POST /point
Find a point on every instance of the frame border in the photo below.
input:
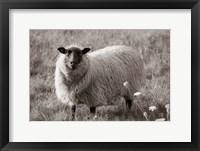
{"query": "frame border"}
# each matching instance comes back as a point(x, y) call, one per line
point(5, 5)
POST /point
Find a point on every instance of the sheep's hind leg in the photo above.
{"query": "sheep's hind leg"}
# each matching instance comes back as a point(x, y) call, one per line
point(93, 111)
point(129, 103)
point(73, 108)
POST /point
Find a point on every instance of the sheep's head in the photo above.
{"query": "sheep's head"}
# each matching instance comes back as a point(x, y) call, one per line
point(73, 55)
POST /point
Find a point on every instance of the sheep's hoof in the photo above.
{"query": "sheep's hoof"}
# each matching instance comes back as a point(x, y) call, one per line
point(93, 111)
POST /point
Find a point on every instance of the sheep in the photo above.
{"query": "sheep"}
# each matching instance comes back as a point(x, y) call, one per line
point(96, 78)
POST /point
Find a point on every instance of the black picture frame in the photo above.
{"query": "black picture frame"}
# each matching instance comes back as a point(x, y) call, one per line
point(5, 5)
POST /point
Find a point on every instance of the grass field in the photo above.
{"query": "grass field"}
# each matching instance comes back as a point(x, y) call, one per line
point(154, 46)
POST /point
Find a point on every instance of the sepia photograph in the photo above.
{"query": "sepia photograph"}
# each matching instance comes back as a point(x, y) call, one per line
point(99, 75)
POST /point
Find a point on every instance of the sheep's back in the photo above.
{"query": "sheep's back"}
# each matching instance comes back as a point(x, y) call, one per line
point(110, 68)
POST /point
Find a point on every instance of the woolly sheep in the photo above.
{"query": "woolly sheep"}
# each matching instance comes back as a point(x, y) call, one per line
point(96, 78)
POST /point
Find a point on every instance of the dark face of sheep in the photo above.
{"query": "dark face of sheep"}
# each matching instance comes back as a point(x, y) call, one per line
point(73, 55)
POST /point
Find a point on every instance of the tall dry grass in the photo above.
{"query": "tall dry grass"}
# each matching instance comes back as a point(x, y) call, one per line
point(154, 46)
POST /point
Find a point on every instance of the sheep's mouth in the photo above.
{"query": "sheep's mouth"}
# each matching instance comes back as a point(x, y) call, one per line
point(73, 67)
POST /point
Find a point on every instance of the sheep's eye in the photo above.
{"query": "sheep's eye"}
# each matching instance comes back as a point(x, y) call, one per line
point(69, 51)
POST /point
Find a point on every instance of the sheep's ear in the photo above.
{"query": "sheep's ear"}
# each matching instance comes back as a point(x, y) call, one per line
point(62, 50)
point(85, 50)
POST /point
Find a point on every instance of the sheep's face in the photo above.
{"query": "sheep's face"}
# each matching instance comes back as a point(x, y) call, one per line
point(73, 56)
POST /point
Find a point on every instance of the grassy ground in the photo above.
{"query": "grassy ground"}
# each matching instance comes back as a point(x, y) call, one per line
point(154, 46)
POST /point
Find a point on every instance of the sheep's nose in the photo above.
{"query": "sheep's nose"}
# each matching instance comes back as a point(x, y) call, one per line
point(73, 62)
point(73, 65)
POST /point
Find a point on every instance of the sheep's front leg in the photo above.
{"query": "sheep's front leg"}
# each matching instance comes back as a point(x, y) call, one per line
point(93, 111)
point(73, 109)
point(70, 105)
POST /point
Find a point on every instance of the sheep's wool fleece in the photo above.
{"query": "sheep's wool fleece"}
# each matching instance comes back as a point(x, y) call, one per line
point(102, 73)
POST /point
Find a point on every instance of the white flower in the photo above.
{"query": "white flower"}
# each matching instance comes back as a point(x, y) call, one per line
point(152, 108)
point(145, 114)
point(137, 94)
point(95, 117)
point(167, 106)
point(126, 85)
point(70, 104)
point(160, 119)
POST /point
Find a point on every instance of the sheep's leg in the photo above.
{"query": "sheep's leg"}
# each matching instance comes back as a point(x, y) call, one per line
point(93, 111)
point(129, 103)
point(73, 111)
